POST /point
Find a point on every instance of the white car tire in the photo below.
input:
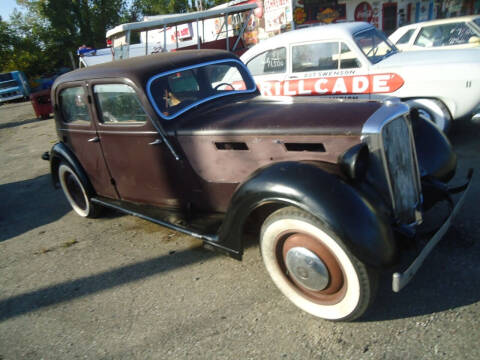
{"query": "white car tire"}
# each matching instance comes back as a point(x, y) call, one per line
point(350, 285)
point(75, 192)
point(432, 110)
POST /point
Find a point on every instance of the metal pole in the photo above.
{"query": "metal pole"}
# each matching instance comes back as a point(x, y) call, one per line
point(127, 39)
point(176, 36)
point(198, 37)
point(165, 37)
point(240, 35)
point(146, 42)
point(226, 27)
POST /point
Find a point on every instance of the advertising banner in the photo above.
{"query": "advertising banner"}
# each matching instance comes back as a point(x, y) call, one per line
point(277, 13)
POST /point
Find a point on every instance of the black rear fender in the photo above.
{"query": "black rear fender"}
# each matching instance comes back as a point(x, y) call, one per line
point(61, 153)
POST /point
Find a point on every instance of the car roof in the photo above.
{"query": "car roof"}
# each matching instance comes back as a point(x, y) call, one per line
point(140, 69)
point(321, 32)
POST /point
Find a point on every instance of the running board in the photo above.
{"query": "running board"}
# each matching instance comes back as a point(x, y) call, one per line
point(210, 239)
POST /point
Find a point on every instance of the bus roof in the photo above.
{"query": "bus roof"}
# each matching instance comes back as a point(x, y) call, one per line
point(177, 19)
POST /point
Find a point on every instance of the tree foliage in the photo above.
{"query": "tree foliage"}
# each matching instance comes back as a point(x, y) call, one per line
point(46, 34)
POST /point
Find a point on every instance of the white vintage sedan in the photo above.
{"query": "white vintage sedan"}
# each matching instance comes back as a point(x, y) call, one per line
point(355, 60)
point(454, 33)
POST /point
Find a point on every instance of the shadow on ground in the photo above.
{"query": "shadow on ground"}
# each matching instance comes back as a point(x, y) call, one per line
point(70, 290)
point(449, 279)
point(18, 123)
point(28, 204)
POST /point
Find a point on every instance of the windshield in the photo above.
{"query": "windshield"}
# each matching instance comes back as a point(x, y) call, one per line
point(174, 92)
point(374, 45)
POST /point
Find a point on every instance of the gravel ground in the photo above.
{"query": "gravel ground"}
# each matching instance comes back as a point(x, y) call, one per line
point(120, 287)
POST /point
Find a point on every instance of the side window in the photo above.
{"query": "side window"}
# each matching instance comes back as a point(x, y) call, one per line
point(118, 104)
point(348, 59)
point(444, 35)
point(269, 62)
point(459, 33)
point(73, 105)
point(405, 38)
point(318, 56)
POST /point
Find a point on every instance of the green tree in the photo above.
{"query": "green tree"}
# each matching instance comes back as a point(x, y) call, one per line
point(81, 21)
point(47, 33)
point(7, 42)
point(24, 50)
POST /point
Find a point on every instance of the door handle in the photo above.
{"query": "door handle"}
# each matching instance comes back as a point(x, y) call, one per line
point(94, 139)
point(155, 142)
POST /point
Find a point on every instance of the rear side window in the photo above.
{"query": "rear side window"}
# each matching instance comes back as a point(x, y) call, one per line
point(118, 104)
point(269, 62)
point(444, 35)
point(405, 38)
point(74, 106)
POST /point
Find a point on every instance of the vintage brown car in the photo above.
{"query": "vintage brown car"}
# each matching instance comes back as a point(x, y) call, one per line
point(333, 187)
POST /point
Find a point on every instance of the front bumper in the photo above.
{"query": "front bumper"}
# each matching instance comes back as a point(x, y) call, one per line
point(400, 280)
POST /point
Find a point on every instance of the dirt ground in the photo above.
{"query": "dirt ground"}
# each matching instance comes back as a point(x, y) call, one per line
point(120, 288)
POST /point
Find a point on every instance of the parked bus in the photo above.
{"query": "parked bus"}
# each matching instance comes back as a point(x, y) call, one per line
point(13, 85)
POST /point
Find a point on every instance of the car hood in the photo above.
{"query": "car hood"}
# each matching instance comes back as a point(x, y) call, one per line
point(430, 57)
point(276, 115)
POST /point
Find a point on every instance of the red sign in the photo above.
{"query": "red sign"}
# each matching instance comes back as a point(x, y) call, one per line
point(363, 12)
point(359, 84)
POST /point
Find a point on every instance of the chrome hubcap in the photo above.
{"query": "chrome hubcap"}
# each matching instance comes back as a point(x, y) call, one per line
point(306, 268)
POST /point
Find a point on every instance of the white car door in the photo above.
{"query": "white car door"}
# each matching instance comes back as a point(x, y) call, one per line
point(328, 68)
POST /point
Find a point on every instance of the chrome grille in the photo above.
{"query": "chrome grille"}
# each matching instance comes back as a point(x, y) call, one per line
point(401, 169)
point(393, 166)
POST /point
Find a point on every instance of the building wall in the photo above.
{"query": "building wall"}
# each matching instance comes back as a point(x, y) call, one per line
point(386, 15)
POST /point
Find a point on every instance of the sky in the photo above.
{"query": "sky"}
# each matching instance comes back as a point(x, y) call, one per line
point(6, 8)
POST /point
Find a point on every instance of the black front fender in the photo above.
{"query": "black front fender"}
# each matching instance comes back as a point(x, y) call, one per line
point(435, 153)
point(365, 231)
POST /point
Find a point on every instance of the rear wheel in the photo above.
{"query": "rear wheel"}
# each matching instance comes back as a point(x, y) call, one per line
point(313, 268)
point(75, 192)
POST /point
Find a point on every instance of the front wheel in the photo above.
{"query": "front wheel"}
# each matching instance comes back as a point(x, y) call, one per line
point(75, 192)
point(313, 268)
point(432, 110)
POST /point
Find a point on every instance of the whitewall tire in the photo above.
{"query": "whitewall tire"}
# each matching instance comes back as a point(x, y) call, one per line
point(75, 192)
point(313, 268)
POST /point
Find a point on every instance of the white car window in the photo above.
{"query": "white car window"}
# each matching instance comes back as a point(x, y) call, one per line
point(405, 38)
point(348, 59)
point(269, 62)
point(444, 35)
point(317, 56)
point(323, 56)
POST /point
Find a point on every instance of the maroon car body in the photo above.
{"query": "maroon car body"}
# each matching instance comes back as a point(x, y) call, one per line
point(333, 184)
